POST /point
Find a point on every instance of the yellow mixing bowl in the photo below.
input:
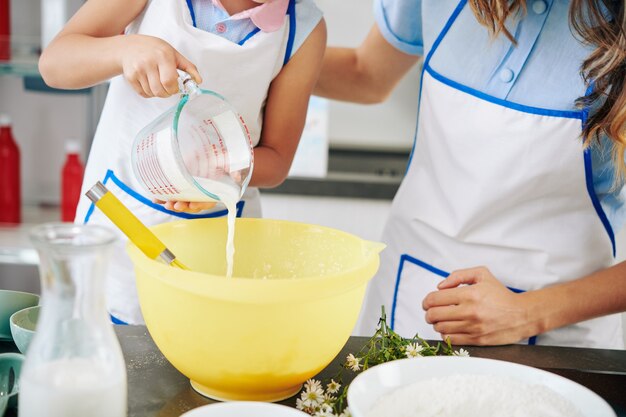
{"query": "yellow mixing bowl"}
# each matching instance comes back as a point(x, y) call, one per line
point(287, 312)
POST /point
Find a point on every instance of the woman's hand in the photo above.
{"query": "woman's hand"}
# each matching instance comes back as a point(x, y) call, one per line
point(481, 312)
point(149, 64)
point(185, 206)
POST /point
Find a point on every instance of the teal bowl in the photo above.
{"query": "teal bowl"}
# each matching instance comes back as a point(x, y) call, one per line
point(10, 302)
point(10, 367)
point(23, 325)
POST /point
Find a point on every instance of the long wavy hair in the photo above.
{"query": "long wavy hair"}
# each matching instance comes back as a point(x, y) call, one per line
point(602, 25)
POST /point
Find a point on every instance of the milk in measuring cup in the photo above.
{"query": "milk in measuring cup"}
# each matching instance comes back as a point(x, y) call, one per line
point(197, 151)
point(175, 185)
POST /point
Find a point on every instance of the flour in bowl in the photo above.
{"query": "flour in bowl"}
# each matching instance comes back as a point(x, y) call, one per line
point(473, 396)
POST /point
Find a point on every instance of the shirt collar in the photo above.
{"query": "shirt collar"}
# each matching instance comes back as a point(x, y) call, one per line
point(269, 17)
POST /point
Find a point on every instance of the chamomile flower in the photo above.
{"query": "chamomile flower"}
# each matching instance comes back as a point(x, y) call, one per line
point(353, 363)
point(300, 404)
point(333, 387)
point(413, 350)
point(312, 385)
point(326, 408)
point(313, 394)
point(329, 399)
point(461, 352)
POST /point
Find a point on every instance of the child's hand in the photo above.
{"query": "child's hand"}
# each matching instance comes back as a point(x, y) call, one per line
point(149, 64)
point(185, 206)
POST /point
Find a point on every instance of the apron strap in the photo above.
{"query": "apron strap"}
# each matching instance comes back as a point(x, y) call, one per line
point(291, 11)
point(192, 12)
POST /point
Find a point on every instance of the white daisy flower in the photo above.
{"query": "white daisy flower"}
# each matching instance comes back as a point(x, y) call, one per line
point(312, 385)
point(326, 408)
point(353, 362)
point(461, 352)
point(300, 404)
point(333, 386)
point(413, 350)
point(329, 399)
point(312, 396)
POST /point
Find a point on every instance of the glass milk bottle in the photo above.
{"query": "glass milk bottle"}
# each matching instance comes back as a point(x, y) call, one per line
point(74, 366)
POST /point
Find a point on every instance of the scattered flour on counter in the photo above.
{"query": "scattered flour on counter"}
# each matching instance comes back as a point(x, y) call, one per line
point(473, 396)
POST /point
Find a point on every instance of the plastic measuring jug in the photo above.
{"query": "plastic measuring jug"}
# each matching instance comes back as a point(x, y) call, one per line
point(198, 150)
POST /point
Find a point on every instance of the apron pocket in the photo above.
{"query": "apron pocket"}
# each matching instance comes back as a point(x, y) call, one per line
point(415, 280)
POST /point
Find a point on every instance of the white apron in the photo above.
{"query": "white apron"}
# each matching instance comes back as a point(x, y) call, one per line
point(497, 184)
point(241, 73)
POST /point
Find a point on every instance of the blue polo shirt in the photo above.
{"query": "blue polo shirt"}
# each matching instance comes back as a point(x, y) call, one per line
point(542, 70)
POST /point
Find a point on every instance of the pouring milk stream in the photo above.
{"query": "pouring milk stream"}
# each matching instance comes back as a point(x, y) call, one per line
point(198, 151)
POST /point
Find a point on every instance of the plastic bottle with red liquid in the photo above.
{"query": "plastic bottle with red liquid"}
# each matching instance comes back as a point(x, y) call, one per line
point(10, 195)
point(5, 30)
point(71, 180)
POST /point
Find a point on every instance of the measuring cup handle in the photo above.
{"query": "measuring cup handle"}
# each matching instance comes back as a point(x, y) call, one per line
point(186, 83)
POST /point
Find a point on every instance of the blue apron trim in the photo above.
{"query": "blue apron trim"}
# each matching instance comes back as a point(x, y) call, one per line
point(111, 176)
point(249, 35)
point(443, 274)
point(595, 200)
point(445, 30)
point(192, 12)
point(417, 122)
point(569, 114)
point(589, 182)
point(115, 320)
point(291, 11)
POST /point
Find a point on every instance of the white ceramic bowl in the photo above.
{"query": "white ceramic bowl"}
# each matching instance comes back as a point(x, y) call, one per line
point(244, 409)
point(379, 380)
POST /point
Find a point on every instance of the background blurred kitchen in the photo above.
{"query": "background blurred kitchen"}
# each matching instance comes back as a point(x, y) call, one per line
point(346, 172)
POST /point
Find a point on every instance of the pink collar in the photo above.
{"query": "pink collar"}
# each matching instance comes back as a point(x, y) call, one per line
point(269, 17)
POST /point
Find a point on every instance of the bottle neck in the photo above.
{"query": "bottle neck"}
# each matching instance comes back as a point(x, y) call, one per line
point(73, 157)
point(5, 132)
point(73, 285)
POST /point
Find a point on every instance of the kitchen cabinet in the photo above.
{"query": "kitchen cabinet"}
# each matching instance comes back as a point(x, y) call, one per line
point(157, 389)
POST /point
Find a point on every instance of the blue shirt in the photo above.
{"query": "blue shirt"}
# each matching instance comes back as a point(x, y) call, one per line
point(516, 73)
point(213, 19)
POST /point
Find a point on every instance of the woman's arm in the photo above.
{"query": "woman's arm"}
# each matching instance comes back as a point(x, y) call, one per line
point(90, 50)
point(367, 74)
point(285, 111)
point(485, 312)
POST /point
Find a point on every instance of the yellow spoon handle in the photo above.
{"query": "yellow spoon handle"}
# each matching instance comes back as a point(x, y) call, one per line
point(130, 225)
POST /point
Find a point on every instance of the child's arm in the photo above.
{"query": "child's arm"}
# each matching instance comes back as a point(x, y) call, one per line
point(90, 50)
point(285, 111)
point(284, 118)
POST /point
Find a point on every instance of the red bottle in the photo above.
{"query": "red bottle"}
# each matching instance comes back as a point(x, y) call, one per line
point(71, 181)
point(10, 196)
point(5, 30)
